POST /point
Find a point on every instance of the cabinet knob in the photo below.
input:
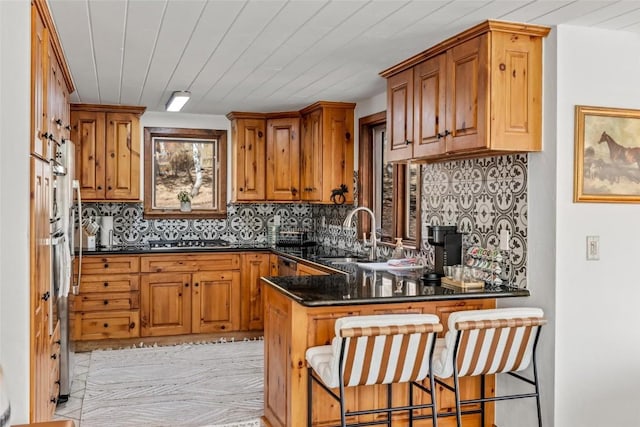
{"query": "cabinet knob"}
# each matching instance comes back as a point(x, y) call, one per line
point(113, 155)
point(106, 325)
point(105, 302)
point(407, 142)
point(259, 134)
point(54, 356)
point(241, 189)
point(186, 285)
point(109, 188)
point(105, 284)
point(46, 296)
point(294, 190)
point(196, 284)
point(132, 325)
point(106, 265)
point(58, 122)
point(99, 187)
point(54, 400)
point(347, 136)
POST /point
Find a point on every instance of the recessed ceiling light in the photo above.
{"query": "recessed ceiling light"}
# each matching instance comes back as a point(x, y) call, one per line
point(177, 100)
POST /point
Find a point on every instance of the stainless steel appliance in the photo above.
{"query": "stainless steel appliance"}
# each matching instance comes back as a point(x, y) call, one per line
point(63, 221)
point(447, 243)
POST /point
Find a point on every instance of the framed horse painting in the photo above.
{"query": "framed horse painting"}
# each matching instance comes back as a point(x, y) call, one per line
point(607, 155)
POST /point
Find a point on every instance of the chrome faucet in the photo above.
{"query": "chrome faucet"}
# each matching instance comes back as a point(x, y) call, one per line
point(347, 223)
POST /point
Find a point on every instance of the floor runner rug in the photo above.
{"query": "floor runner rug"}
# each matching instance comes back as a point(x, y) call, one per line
point(189, 385)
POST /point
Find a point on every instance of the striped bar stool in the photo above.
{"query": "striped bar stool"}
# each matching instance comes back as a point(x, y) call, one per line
point(382, 349)
point(486, 342)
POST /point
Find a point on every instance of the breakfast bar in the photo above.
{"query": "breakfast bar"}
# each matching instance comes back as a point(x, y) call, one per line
point(300, 312)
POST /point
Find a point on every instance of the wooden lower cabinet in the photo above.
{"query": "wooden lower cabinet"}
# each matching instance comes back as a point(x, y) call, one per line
point(215, 301)
point(165, 302)
point(190, 294)
point(291, 328)
point(254, 266)
point(108, 302)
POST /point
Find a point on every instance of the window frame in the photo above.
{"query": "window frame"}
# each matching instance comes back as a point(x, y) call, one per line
point(184, 133)
point(366, 176)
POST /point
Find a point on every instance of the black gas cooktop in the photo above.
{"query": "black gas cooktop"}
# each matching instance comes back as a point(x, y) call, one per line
point(187, 244)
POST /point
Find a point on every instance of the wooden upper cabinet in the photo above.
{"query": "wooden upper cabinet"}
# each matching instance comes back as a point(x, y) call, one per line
point(107, 142)
point(39, 142)
point(477, 93)
point(283, 158)
point(327, 151)
point(399, 116)
point(430, 83)
point(50, 86)
point(248, 136)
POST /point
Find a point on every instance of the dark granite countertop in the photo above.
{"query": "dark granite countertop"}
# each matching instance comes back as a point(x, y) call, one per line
point(350, 285)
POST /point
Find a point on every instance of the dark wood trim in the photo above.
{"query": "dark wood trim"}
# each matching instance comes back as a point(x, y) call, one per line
point(365, 157)
point(221, 135)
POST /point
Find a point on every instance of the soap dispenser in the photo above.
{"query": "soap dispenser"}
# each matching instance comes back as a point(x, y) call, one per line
point(398, 251)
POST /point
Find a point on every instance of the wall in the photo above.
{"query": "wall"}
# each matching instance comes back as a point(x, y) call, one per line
point(15, 19)
point(597, 370)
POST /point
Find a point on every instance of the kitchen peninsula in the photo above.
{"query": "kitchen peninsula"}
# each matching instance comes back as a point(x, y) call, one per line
point(300, 312)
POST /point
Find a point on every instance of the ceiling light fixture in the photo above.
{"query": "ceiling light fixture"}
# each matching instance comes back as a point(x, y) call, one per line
point(177, 100)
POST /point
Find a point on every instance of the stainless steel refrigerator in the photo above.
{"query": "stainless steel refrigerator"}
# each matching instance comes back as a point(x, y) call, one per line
point(66, 199)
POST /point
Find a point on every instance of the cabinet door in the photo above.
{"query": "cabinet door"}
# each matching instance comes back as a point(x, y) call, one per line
point(216, 302)
point(88, 132)
point(312, 162)
point(399, 116)
point(122, 156)
point(165, 304)
point(41, 285)
point(467, 95)
point(249, 162)
point(283, 159)
point(430, 107)
point(254, 266)
point(39, 143)
point(516, 92)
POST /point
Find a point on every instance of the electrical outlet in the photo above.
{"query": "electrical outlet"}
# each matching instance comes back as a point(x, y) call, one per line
point(593, 248)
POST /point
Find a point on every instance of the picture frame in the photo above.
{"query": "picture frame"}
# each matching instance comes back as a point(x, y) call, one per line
point(607, 155)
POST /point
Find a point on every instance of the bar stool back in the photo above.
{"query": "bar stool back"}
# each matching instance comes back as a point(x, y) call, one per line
point(377, 349)
point(486, 342)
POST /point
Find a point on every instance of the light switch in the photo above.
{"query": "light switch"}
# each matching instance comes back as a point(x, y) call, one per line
point(593, 248)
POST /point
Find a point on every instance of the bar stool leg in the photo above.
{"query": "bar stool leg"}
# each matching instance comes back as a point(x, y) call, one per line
point(309, 397)
point(456, 385)
point(410, 403)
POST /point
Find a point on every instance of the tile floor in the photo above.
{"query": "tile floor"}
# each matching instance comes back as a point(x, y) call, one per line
point(72, 408)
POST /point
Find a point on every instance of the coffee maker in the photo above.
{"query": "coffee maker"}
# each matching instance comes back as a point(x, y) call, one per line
point(447, 243)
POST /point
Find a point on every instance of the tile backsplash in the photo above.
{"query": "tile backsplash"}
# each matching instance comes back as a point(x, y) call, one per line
point(479, 196)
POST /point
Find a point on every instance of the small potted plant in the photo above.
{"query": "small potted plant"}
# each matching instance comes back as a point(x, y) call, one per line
point(185, 201)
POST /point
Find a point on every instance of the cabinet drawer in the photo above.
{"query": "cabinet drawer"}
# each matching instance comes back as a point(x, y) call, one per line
point(101, 301)
point(110, 264)
point(109, 283)
point(189, 263)
point(104, 325)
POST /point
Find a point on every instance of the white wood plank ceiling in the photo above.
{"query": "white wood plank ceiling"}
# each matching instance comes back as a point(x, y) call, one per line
point(275, 55)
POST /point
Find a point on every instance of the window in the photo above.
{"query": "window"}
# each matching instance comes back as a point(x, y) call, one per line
point(392, 191)
point(190, 160)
